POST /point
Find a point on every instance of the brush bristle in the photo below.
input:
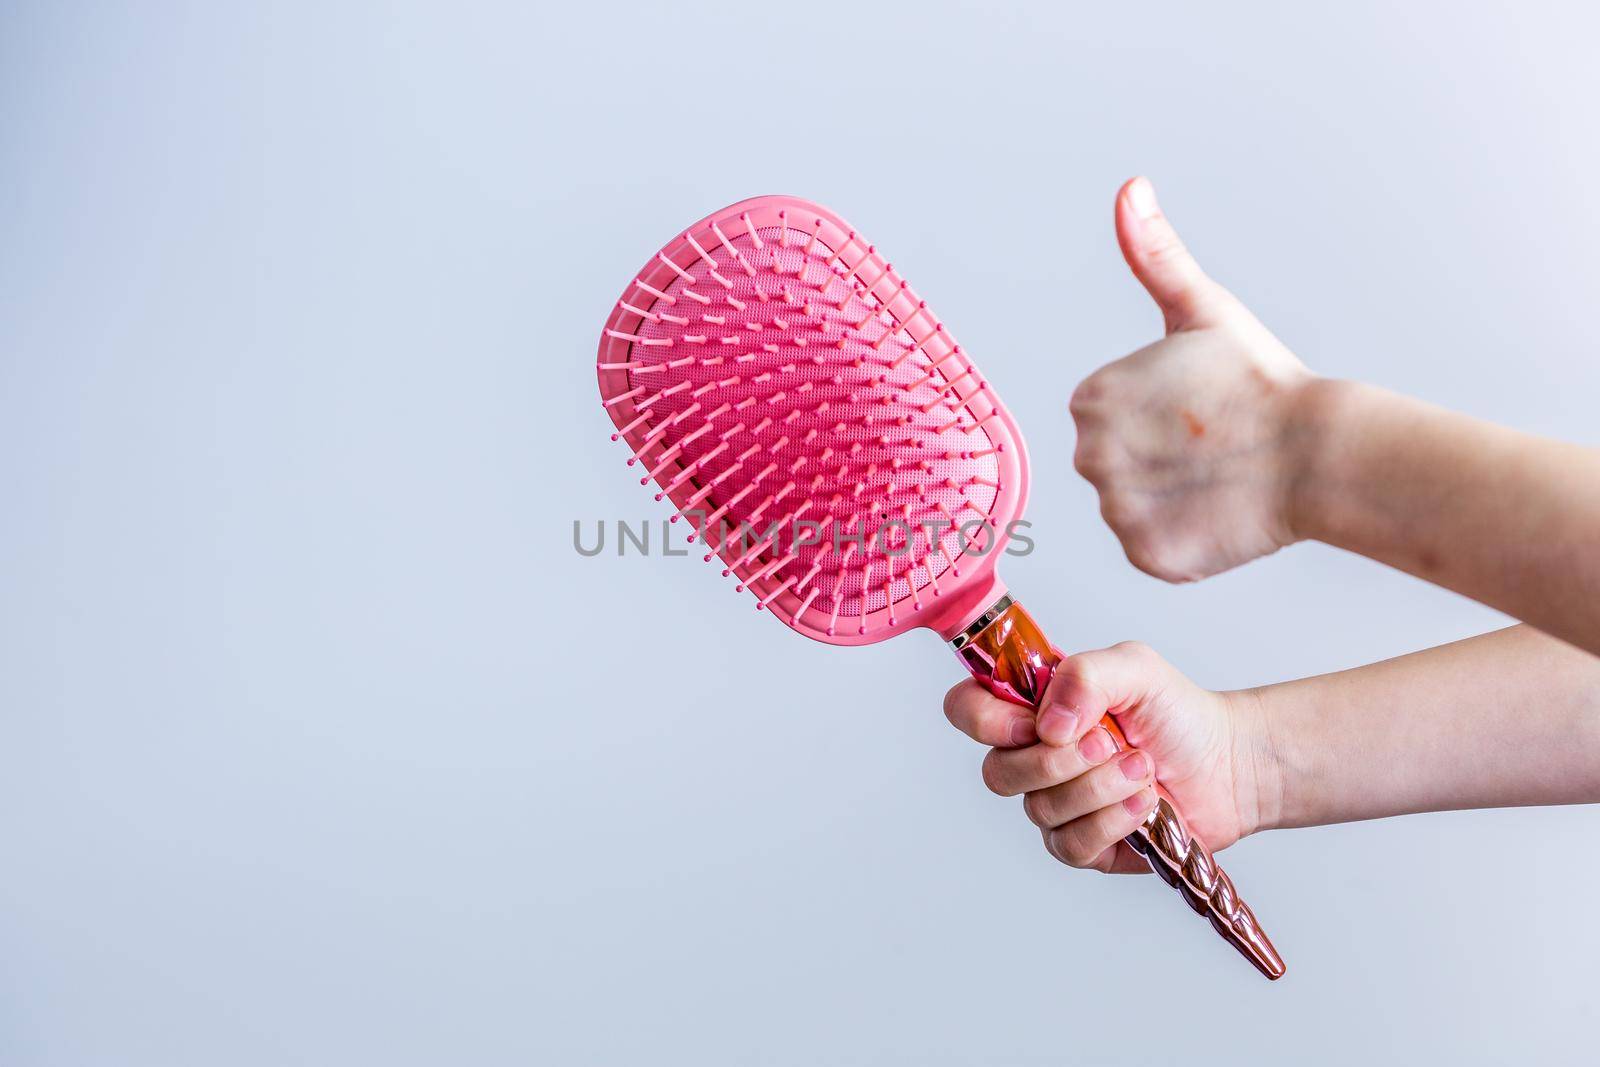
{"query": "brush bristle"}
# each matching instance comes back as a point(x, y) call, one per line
point(782, 373)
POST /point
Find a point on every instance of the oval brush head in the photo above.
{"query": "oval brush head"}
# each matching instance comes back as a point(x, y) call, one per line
point(815, 422)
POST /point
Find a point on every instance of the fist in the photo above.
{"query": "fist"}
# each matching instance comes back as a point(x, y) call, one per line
point(1084, 792)
point(1195, 443)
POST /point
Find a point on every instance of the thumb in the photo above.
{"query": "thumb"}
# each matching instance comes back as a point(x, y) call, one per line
point(1158, 258)
point(1088, 685)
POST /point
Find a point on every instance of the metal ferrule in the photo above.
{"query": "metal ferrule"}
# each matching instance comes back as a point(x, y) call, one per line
point(981, 623)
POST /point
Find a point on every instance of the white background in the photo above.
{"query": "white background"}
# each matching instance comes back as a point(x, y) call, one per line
point(320, 744)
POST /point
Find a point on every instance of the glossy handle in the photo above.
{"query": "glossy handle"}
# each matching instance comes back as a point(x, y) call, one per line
point(1007, 652)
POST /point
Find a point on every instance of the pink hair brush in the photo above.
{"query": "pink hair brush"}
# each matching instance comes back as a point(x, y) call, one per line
point(832, 444)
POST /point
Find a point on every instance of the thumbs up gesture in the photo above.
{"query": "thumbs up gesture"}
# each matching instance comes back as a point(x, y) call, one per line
point(1197, 443)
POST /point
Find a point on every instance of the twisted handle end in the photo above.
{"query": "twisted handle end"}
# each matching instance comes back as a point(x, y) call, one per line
point(1184, 863)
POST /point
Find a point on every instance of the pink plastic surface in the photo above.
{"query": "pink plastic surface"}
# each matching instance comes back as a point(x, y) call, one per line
point(768, 365)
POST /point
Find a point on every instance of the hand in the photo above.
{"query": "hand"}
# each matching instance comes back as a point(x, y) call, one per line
point(1195, 442)
point(1210, 751)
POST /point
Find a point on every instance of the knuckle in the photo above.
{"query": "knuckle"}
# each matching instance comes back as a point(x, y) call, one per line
point(1144, 557)
point(953, 702)
point(1115, 508)
point(1089, 460)
point(1070, 848)
point(1085, 396)
point(1061, 764)
point(1099, 785)
point(1137, 650)
point(1148, 799)
point(1109, 784)
point(994, 775)
point(1124, 513)
point(1036, 806)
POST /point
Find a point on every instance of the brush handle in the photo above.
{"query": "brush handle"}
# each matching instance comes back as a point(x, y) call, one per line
point(1008, 653)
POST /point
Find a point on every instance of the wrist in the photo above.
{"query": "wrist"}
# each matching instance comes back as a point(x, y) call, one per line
point(1259, 779)
point(1324, 415)
point(1294, 760)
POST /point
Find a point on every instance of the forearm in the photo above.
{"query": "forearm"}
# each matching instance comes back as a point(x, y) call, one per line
point(1506, 518)
point(1509, 718)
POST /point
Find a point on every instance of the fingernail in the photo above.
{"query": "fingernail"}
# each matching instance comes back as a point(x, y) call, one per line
point(1142, 198)
point(1135, 765)
point(1058, 723)
point(1097, 746)
point(1022, 732)
point(1140, 802)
